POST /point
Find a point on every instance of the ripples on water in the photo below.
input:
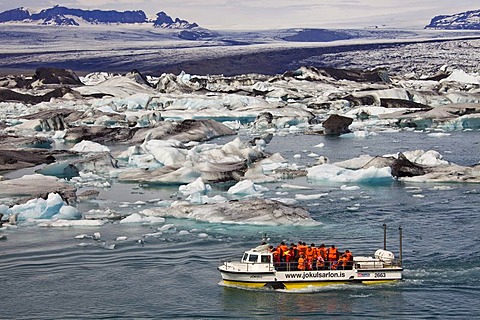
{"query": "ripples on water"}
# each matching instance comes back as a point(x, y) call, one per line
point(47, 273)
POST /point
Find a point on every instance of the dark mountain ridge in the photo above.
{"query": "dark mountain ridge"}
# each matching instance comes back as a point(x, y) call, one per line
point(469, 20)
point(59, 15)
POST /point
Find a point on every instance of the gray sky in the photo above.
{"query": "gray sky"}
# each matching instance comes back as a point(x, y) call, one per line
point(266, 14)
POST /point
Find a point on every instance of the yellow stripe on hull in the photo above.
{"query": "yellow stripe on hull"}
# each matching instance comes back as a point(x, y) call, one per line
point(303, 285)
point(245, 284)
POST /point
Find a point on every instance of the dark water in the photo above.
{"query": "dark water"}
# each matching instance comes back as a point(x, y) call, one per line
point(47, 274)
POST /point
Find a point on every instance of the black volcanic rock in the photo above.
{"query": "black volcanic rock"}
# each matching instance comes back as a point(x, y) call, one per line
point(337, 125)
point(402, 167)
point(11, 95)
point(469, 20)
point(166, 22)
point(57, 76)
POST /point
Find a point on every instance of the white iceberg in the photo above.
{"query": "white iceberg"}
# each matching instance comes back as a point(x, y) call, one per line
point(52, 208)
point(86, 146)
point(138, 218)
point(332, 173)
point(246, 188)
point(197, 186)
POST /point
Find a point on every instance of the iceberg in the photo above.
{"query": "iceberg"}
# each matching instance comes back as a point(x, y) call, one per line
point(195, 187)
point(246, 188)
point(335, 174)
point(252, 211)
point(139, 218)
point(52, 208)
point(86, 146)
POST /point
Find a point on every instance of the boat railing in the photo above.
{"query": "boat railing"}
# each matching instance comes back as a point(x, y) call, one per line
point(327, 265)
point(377, 264)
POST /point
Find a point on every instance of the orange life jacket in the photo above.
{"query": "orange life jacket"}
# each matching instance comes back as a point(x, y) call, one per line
point(332, 254)
point(310, 253)
point(302, 249)
point(349, 256)
point(301, 263)
point(323, 252)
point(342, 261)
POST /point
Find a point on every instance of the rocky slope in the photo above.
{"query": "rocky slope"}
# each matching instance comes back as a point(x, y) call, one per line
point(469, 20)
point(59, 15)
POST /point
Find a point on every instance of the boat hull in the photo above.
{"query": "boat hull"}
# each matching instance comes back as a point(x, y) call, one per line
point(295, 280)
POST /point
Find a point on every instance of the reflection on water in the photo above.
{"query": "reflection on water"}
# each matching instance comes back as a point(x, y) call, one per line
point(341, 300)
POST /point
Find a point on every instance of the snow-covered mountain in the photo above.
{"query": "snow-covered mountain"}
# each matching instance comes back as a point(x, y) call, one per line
point(469, 20)
point(59, 15)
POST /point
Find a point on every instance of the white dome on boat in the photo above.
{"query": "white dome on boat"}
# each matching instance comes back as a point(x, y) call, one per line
point(384, 255)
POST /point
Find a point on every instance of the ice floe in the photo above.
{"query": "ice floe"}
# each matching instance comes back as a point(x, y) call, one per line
point(257, 211)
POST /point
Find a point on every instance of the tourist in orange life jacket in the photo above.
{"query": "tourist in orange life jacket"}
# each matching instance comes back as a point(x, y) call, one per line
point(293, 252)
point(283, 253)
point(320, 263)
point(349, 257)
point(276, 256)
point(301, 262)
point(340, 264)
point(332, 255)
point(310, 254)
point(292, 257)
point(323, 251)
point(302, 248)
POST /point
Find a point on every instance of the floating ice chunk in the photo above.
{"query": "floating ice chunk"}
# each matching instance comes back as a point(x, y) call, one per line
point(419, 196)
point(246, 188)
point(438, 134)
point(461, 77)
point(58, 135)
point(137, 218)
point(203, 235)
point(332, 173)
point(430, 158)
point(320, 145)
point(312, 155)
point(68, 213)
point(349, 188)
point(183, 233)
point(143, 161)
point(197, 198)
point(70, 223)
point(86, 146)
point(83, 236)
point(195, 187)
point(252, 211)
point(294, 187)
point(167, 227)
point(44, 209)
point(121, 238)
point(310, 196)
point(297, 156)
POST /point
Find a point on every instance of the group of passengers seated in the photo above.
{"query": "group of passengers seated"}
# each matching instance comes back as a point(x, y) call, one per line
point(304, 258)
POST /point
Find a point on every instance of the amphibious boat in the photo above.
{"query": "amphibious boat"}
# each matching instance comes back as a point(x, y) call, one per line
point(257, 269)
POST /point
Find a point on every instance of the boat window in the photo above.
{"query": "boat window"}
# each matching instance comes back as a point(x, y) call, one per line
point(253, 258)
point(245, 257)
point(266, 259)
